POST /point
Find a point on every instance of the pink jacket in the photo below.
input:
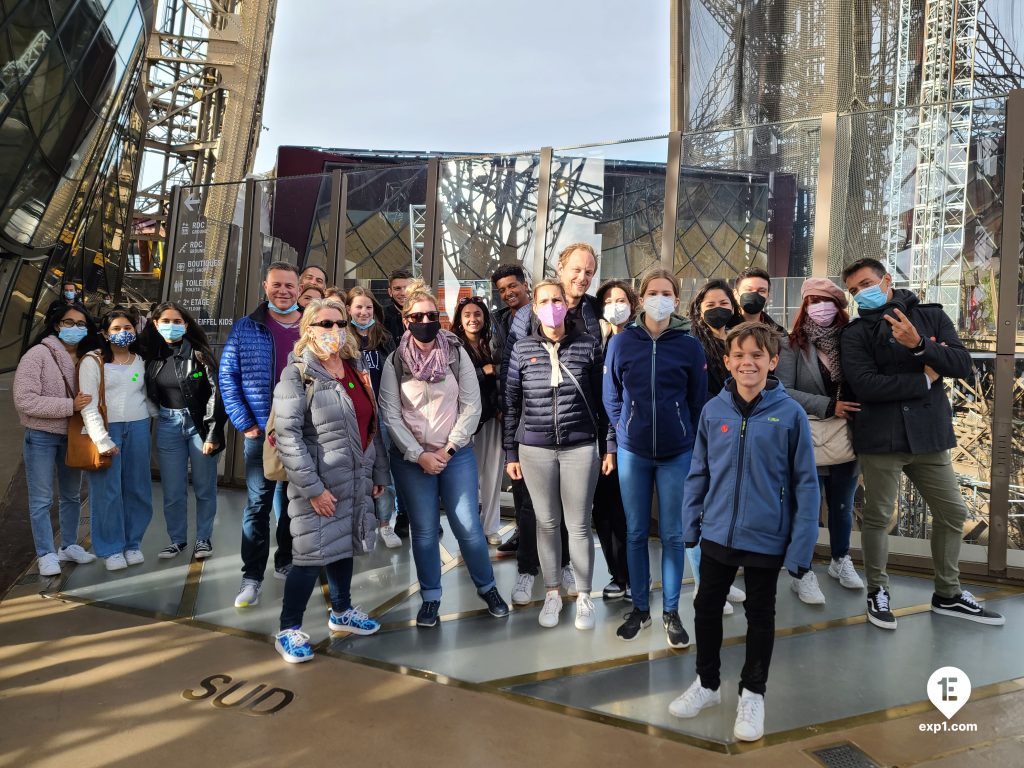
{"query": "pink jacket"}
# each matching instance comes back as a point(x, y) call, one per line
point(40, 395)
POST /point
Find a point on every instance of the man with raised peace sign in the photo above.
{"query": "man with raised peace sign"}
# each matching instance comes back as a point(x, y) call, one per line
point(894, 356)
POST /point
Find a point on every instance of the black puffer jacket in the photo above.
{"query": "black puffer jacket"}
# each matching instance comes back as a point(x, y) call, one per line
point(198, 381)
point(899, 412)
point(541, 415)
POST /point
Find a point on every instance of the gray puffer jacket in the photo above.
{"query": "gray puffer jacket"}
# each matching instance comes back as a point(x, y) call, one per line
point(320, 448)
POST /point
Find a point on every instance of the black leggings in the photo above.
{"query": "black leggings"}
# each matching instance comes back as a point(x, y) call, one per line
point(300, 583)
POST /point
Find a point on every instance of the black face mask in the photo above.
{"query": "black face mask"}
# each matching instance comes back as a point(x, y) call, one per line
point(425, 332)
point(718, 317)
point(752, 303)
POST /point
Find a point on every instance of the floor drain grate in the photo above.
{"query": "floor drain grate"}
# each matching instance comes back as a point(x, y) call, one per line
point(844, 755)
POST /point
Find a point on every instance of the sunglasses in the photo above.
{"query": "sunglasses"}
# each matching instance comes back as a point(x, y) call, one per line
point(328, 324)
point(478, 300)
point(420, 317)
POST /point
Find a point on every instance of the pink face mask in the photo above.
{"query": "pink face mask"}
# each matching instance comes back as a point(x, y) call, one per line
point(823, 313)
point(551, 315)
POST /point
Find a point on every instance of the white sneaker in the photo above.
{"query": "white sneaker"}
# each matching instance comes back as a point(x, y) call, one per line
point(694, 699)
point(75, 554)
point(249, 593)
point(388, 536)
point(727, 609)
point(584, 612)
point(134, 557)
point(749, 717)
point(807, 589)
point(522, 592)
point(493, 539)
point(569, 581)
point(552, 607)
point(49, 565)
point(736, 595)
point(843, 570)
point(116, 562)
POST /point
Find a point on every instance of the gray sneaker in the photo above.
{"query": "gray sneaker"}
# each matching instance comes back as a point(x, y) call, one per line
point(249, 593)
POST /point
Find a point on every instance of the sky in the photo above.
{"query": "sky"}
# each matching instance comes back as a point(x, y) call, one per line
point(464, 75)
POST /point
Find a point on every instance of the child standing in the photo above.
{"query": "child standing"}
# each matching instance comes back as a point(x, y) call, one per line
point(753, 446)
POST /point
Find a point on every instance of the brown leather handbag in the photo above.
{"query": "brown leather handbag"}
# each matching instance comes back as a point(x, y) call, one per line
point(82, 452)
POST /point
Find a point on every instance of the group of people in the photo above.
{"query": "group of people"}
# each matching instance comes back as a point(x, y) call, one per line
point(605, 411)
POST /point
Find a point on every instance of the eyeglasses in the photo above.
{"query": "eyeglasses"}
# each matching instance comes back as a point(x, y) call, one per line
point(419, 317)
point(73, 324)
point(328, 324)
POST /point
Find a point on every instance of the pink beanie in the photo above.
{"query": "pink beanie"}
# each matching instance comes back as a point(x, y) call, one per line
point(822, 286)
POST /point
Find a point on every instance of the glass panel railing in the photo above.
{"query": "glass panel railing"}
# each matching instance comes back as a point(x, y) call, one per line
point(291, 225)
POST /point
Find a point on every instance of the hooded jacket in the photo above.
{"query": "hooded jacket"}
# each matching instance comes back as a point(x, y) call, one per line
point(654, 389)
point(753, 484)
point(538, 414)
point(900, 412)
point(321, 448)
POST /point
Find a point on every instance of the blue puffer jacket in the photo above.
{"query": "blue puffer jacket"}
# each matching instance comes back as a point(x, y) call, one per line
point(247, 371)
point(753, 484)
point(654, 389)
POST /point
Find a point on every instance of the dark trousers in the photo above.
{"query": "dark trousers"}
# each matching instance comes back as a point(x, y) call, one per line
point(715, 580)
point(526, 521)
point(300, 583)
point(263, 495)
point(610, 522)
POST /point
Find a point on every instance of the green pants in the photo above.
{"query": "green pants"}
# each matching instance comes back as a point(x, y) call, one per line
point(932, 475)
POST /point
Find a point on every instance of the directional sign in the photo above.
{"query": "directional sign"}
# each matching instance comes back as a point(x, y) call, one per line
point(191, 201)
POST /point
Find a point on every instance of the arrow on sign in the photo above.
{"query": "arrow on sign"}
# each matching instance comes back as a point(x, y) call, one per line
point(191, 201)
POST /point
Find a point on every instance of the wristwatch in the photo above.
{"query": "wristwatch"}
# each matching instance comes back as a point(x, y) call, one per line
point(451, 450)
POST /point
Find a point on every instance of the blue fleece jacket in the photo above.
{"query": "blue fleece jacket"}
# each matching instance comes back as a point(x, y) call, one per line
point(654, 389)
point(753, 484)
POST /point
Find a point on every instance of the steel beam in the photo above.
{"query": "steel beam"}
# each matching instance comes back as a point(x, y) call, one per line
point(823, 195)
point(672, 171)
point(540, 244)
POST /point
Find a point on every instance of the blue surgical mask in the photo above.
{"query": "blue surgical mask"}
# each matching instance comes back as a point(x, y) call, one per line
point(870, 298)
point(72, 335)
point(122, 338)
point(277, 311)
point(362, 327)
point(70, 295)
point(171, 331)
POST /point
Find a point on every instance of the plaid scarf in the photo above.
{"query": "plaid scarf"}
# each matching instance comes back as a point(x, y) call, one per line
point(826, 341)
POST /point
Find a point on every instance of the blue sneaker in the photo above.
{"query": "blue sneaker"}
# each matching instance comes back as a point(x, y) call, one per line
point(293, 645)
point(353, 620)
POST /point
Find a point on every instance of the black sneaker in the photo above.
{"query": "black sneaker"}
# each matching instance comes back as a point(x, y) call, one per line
point(172, 550)
point(613, 591)
point(402, 525)
point(497, 607)
point(635, 621)
point(510, 547)
point(427, 616)
point(878, 609)
point(203, 549)
point(674, 632)
point(964, 606)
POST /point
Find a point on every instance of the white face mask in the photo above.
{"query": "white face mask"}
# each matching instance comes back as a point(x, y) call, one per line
point(616, 313)
point(659, 307)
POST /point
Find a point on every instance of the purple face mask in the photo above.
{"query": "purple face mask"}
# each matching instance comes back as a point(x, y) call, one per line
point(551, 315)
point(823, 313)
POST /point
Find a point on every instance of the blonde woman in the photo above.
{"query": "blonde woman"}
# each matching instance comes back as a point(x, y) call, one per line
point(430, 401)
point(325, 421)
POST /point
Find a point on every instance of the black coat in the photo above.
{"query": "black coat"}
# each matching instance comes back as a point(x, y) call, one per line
point(393, 320)
point(197, 379)
point(899, 412)
point(538, 414)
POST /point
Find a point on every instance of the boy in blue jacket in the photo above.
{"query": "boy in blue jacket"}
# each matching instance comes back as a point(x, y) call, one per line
point(752, 499)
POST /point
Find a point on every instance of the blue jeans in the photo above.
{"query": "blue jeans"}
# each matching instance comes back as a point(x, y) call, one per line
point(264, 495)
point(638, 477)
point(178, 444)
point(44, 452)
point(299, 586)
point(457, 487)
point(838, 488)
point(385, 505)
point(121, 496)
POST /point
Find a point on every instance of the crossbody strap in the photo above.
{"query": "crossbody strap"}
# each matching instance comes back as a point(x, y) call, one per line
point(67, 386)
point(579, 389)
